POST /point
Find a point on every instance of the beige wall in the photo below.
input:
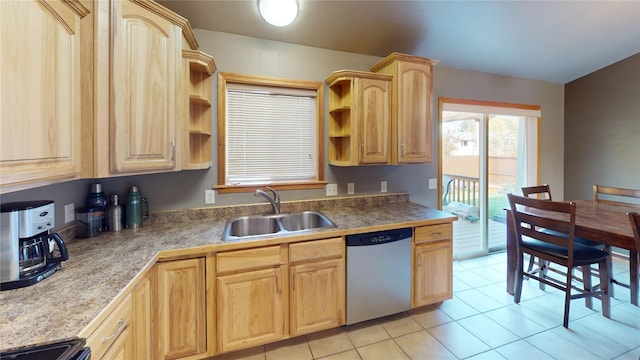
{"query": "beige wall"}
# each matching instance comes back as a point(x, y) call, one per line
point(241, 54)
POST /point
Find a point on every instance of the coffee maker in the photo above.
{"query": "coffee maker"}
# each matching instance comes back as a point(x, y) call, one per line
point(29, 252)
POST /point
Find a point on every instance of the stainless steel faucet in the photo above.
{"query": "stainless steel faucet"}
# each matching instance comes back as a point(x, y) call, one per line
point(275, 200)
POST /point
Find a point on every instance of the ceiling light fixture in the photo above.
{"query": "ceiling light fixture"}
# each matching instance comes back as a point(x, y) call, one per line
point(278, 12)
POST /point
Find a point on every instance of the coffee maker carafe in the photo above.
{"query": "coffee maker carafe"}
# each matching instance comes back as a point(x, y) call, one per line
point(29, 252)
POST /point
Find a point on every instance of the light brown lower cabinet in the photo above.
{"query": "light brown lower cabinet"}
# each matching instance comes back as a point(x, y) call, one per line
point(122, 348)
point(251, 297)
point(258, 303)
point(251, 308)
point(112, 339)
point(317, 296)
point(317, 282)
point(143, 323)
point(199, 307)
point(181, 309)
point(432, 264)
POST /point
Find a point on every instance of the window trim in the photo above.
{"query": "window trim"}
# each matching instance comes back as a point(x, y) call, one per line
point(318, 87)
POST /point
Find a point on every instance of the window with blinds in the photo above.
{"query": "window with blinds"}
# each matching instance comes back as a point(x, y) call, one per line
point(271, 132)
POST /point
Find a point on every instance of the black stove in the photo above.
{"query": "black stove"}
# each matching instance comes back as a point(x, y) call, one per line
point(72, 349)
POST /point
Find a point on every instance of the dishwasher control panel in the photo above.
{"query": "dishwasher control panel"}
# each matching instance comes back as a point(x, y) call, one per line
point(379, 237)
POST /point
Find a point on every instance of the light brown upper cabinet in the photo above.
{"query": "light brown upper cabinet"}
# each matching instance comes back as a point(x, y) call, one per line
point(138, 62)
point(40, 109)
point(140, 89)
point(359, 115)
point(411, 107)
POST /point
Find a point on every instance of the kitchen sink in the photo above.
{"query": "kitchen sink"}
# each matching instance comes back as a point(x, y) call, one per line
point(305, 220)
point(254, 225)
point(250, 226)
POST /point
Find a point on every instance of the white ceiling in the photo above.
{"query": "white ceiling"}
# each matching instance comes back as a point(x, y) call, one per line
point(556, 41)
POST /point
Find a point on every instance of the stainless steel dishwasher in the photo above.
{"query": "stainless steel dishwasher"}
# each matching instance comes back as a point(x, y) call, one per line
point(378, 274)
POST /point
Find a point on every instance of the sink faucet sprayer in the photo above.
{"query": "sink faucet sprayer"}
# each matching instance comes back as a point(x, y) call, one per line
point(275, 201)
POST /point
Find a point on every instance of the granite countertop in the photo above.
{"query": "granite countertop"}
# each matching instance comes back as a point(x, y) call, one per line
point(99, 268)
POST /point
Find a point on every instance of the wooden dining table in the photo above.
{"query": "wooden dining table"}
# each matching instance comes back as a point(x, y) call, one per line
point(606, 223)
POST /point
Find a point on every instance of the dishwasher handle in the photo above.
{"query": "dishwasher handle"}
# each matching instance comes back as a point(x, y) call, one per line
point(379, 237)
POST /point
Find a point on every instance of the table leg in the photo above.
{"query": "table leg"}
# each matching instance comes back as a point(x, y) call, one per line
point(511, 253)
point(633, 276)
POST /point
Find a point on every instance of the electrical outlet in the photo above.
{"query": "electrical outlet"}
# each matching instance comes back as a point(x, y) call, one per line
point(69, 213)
point(332, 189)
point(209, 197)
point(433, 183)
point(383, 186)
point(351, 189)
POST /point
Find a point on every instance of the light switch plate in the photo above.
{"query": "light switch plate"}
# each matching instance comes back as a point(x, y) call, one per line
point(383, 186)
point(351, 189)
point(209, 197)
point(332, 189)
point(433, 183)
point(69, 213)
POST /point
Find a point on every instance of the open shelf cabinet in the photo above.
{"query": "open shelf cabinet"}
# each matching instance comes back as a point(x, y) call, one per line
point(200, 68)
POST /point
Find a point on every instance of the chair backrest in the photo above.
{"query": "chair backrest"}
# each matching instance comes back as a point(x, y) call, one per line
point(615, 195)
point(535, 217)
point(634, 218)
point(543, 191)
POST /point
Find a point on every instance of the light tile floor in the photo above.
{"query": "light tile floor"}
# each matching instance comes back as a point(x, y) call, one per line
point(481, 322)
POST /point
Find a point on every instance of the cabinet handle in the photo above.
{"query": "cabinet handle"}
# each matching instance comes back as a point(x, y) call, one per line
point(294, 283)
point(402, 149)
point(115, 333)
point(173, 150)
point(419, 260)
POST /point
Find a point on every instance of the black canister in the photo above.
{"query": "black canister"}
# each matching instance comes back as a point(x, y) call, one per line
point(96, 198)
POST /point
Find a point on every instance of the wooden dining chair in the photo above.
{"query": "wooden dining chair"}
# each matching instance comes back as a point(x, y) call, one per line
point(543, 192)
point(616, 195)
point(531, 217)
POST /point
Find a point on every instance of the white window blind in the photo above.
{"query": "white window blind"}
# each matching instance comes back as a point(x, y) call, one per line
point(271, 135)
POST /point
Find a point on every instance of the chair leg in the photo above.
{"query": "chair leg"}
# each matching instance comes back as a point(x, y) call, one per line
point(605, 284)
point(532, 260)
point(586, 281)
point(567, 297)
point(634, 272)
point(544, 268)
point(517, 291)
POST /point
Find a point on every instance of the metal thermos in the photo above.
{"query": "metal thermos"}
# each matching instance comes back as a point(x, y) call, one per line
point(134, 208)
point(114, 214)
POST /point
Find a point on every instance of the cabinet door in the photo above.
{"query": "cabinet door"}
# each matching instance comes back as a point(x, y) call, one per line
point(146, 63)
point(122, 348)
point(414, 113)
point(181, 308)
point(317, 296)
point(143, 319)
point(39, 93)
point(432, 273)
point(251, 308)
point(373, 115)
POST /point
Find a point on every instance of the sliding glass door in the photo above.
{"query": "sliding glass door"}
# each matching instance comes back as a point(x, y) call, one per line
point(487, 151)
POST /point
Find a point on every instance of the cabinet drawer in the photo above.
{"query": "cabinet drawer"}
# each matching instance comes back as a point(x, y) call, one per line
point(431, 233)
point(250, 259)
point(110, 329)
point(316, 250)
